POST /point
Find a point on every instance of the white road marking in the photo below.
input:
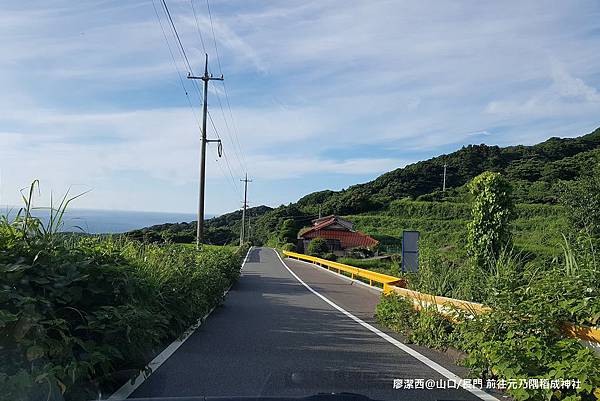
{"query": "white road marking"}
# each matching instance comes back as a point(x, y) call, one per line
point(128, 388)
point(422, 358)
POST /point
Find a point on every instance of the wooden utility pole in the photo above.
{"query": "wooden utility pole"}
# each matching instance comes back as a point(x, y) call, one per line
point(444, 184)
point(206, 77)
point(243, 231)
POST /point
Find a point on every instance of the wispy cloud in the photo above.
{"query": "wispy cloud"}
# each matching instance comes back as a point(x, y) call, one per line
point(323, 93)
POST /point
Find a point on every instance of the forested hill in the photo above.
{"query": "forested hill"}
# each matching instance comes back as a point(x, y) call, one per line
point(534, 171)
point(542, 165)
point(222, 229)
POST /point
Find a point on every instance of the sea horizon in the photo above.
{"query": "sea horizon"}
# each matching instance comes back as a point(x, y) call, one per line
point(107, 221)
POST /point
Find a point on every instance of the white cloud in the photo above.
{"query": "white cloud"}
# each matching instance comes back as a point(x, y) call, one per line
point(347, 88)
point(565, 95)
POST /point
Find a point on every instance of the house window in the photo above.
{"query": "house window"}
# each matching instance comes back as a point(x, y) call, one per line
point(334, 244)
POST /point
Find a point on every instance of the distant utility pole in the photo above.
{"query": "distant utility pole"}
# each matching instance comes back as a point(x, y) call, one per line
point(243, 231)
point(206, 77)
point(444, 185)
point(249, 228)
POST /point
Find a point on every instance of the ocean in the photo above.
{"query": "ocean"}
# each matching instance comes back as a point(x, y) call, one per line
point(110, 221)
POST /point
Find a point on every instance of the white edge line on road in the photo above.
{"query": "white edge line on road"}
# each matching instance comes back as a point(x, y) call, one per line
point(422, 358)
point(128, 388)
point(369, 287)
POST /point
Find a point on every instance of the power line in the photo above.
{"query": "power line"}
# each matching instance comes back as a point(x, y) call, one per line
point(231, 179)
point(243, 162)
point(224, 154)
point(206, 77)
point(181, 81)
point(183, 53)
point(198, 26)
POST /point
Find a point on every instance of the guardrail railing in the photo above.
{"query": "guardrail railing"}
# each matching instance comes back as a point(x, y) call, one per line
point(444, 305)
point(354, 272)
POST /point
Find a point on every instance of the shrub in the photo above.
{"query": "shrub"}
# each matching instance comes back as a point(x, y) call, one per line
point(396, 312)
point(77, 308)
point(489, 231)
point(288, 231)
point(521, 337)
point(330, 256)
point(317, 247)
point(426, 327)
point(289, 247)
point(361, 253)
point(582, 202)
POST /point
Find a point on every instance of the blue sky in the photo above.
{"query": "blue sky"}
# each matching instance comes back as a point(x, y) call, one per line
point(323, 94)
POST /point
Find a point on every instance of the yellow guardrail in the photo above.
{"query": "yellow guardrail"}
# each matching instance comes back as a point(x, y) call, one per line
point(443, 304)
point(355, 272)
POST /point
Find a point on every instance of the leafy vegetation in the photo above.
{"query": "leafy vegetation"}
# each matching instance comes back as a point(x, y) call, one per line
point(582, 202)
point(388, 265)
point(318, 247)
point(75, 310)
point(489, 230)
point(221, 230)
point(521, 337)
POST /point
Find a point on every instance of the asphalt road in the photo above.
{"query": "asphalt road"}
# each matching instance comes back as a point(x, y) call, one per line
point(274, 337)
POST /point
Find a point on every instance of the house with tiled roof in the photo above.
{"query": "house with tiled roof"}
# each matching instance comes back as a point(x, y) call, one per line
point(338, 233)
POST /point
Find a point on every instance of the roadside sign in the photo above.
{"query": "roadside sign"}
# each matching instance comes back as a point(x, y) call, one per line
point(410, 251)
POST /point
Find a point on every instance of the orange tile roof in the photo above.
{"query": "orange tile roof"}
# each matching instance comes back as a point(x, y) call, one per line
point(348, 239)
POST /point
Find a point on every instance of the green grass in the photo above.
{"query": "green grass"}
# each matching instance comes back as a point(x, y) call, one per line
point(537, 229)
point(379, 265)
point(76, 309)
point(521, 336)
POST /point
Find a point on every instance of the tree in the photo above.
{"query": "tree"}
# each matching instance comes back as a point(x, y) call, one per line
point(581, 199)
point(288, 231)
point(318, 247)
point(493, 208)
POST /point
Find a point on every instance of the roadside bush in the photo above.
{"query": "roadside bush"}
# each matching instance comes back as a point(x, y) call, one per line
point(330, 256)
point(397, 313)
point(431, 329)
point(317, 247)
point(74, 310)
point(424, 327)
point(522, 336)
point(289, 247)
point(361, 253)
point(581, 199)
point(382, 265)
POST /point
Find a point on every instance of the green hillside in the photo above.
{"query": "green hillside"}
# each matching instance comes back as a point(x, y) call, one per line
point(220, 230)
point(537, 229)
point(411, 198)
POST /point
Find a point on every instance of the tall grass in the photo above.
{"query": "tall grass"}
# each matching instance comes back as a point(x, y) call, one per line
point(521, 337)
point(76, 309)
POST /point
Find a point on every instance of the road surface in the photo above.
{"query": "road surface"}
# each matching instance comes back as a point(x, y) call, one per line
point(274, 337)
